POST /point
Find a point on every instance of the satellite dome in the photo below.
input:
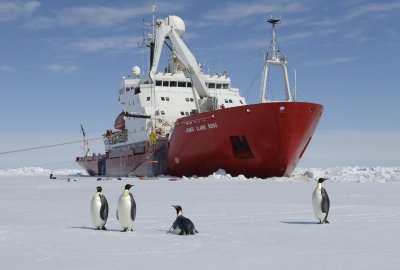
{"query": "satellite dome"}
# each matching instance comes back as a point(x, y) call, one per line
point(136, 71)
point(177, 23)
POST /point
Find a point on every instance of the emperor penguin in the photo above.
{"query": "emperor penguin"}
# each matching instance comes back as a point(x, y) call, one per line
point(321, 203)
point(182, 225)
point(99, 209)
point(126, 211)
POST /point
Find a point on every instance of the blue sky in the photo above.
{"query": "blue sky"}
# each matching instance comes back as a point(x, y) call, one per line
point(61, 64)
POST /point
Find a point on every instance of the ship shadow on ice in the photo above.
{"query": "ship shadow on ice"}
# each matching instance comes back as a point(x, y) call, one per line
point(300, 222)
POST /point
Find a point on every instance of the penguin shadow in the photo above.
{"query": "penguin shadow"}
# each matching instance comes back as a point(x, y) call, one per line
point(300, 222)
point(164, 231)
point(93, 229)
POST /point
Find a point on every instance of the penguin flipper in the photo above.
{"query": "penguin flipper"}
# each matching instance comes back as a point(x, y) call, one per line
point(133, 207)
point(117, 214)
point(104, 208)
point(325, 203)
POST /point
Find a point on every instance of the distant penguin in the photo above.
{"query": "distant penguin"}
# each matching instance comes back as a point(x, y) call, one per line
point(321, 202)
point(99, 210)
point(126, 211)
point(182, 225)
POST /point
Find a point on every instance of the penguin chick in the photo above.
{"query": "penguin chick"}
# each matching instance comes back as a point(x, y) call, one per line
point(182, 225)
point(126, 211)
point(321, 203)
point(99, 209)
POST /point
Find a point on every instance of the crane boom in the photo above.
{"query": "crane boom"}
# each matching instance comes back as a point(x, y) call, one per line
point(172, 27)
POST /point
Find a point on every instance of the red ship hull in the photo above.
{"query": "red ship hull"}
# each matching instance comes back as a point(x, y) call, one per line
point(261, 140)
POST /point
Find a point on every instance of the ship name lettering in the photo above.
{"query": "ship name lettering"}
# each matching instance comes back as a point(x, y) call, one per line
point(212, 125)
point(189, 129)
point(202, 127)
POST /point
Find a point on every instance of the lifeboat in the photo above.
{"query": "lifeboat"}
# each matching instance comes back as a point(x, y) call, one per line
point(120, 121)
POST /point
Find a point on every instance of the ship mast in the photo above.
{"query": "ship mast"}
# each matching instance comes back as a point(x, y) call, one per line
point(151, 37)
point(274, 58)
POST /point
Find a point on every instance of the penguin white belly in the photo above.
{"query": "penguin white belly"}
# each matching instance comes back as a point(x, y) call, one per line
point(124, 212)
point(95, 212)
point(317, 200)
point(176, 230)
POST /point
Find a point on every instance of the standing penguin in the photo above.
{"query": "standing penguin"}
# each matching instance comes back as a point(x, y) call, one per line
point(99, 210)
point(126, 211)
point(321, 202)
point(182, 225)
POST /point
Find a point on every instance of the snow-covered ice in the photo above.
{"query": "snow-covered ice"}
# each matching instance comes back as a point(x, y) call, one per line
point(243, 223)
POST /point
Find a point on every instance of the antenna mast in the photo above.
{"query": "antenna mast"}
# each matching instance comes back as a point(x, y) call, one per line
point(151, 37)
point(274, 58)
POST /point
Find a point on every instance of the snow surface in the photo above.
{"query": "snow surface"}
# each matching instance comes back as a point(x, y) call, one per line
point(243, 223)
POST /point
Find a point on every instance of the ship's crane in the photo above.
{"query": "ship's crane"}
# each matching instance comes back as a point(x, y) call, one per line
point(173, 28)
point(85, 146)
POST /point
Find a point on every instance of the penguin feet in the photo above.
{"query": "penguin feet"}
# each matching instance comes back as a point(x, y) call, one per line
point(125, 230)
point(104, 228)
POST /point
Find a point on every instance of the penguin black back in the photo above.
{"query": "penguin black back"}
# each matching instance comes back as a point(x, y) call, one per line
point(183, 225)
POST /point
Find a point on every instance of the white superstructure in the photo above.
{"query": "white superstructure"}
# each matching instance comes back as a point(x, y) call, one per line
point(152, 105)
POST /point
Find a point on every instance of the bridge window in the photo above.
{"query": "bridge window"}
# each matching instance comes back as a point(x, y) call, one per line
point(191, 99)
point(230, 101)
point(219, 86)
point(186, 113)
point(187, 99)
point(181, 84)
point(211, 85)
point(162, 113)
point(167, 98)
point(158, 83)
point(127, 89)
point(225, 86)
point(165, 83)
point(182, 113)
point(189, 84)
point(172, 83)
point(226, 101)
point(162, 98)
point(148, 99)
